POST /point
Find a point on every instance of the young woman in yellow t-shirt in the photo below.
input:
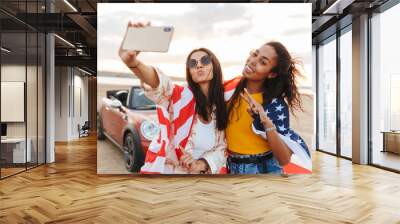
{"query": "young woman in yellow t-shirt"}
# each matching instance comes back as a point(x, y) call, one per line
point(259, 112)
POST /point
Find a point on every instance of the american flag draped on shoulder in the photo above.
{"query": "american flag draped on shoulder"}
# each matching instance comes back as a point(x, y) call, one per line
point(175, 123)
point(176, 114)
point(278, 112)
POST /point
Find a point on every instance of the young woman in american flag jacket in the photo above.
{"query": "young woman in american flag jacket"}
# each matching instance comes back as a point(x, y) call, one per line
point(192, 118)
point(258, 135)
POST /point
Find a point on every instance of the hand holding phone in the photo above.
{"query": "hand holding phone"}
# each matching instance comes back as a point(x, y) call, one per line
point(148, 38)
point(129, 57)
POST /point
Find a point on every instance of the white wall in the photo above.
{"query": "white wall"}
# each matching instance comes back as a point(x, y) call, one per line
point(70, 83)
point(14, 73)
point(33, 126)
point(80, 118)
point(62, 80)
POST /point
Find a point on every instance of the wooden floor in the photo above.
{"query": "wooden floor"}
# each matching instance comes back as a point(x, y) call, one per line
point(387, 159)
point(70, 191)
point(10, 171)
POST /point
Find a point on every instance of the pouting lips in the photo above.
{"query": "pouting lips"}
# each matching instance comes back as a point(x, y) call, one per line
point(203, 72)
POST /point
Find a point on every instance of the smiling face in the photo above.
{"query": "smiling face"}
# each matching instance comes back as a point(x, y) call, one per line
point(260, 63)
point(200, 67)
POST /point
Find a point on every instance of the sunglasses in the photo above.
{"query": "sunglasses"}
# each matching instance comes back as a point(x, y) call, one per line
point(205, 60)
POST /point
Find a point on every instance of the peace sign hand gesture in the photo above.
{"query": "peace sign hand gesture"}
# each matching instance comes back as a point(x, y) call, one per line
point(256, 108)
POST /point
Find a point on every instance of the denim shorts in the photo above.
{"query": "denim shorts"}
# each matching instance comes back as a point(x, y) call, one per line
point(269, 165)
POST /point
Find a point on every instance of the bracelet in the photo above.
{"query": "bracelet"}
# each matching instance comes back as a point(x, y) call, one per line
point(132, 67)
point(270, 129)
point(263, 122)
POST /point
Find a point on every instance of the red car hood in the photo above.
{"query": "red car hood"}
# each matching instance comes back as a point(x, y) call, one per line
point(139, 115)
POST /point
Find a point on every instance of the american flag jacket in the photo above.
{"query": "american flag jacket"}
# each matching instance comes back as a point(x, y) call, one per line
point(177, 121)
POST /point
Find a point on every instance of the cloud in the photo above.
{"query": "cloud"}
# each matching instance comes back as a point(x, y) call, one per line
point(229, 30)
point(231, 27)
point(296, 31)
point(198, 18)
point(298, 16)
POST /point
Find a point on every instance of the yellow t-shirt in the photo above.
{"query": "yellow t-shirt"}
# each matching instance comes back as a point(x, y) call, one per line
point(239, 134)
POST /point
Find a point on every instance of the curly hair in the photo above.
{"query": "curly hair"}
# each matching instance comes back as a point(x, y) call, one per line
point(283, 85)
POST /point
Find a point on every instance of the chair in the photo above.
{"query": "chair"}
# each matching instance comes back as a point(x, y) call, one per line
point(84, 130)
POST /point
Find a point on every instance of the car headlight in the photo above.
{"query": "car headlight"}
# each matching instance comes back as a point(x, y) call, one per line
point(149, 129)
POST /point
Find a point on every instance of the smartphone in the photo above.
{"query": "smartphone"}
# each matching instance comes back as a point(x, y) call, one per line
point(148, 39)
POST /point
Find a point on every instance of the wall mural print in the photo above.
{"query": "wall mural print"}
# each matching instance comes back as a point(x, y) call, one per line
point(204, 88)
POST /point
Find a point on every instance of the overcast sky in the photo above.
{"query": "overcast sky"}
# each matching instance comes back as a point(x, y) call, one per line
point(229, 30)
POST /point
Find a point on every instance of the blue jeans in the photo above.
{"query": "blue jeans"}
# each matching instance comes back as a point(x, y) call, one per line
point(270, 166)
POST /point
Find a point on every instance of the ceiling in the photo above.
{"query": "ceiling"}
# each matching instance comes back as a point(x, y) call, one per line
point(75, 21)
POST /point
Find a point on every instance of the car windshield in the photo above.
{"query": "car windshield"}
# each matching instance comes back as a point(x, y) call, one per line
point(140, 101)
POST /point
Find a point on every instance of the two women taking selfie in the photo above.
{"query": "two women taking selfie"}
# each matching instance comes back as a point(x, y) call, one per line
point(240, 126)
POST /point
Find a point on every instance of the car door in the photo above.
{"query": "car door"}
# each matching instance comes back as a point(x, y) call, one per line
point(107, 117)
point(119, 122)
point(111, 119)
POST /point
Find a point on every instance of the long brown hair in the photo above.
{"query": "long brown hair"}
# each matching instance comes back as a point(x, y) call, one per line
point(283, 85)
point(205, 104)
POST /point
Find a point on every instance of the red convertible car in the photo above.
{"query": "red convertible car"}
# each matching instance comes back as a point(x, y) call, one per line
point(128, 119)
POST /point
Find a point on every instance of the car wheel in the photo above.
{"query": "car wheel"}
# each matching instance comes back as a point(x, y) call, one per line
point(100, 130)
point(132, 152)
